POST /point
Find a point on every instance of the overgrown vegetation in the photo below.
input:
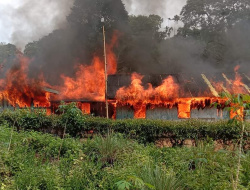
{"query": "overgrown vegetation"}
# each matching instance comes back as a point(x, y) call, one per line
point(113, 162)
point(84, 152)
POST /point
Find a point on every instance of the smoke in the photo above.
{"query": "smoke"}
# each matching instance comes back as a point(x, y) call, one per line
point(181, 55)
point(30, 20)
point(188, 55)
point(60, 50)
point(24, 21)
point(238, 42)
point(164, 8)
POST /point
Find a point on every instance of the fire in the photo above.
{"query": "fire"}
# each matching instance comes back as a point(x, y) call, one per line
point(18, 89)
point(166, 95)
point(136, 93)
point(88, 84)
point(237, 113)
point(184, 110)
point(89, 81)
point(137, 96)
point(235, 86)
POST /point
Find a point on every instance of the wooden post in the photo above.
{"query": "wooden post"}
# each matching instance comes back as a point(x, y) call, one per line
point(106, 75)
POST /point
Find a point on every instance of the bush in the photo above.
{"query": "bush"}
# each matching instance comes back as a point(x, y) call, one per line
point(107, 148)
point(77, 124)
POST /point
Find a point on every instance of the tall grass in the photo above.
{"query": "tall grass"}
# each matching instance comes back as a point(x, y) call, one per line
point(160, 178)
point(111, 162)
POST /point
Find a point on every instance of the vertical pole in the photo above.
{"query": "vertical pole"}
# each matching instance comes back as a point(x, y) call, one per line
point(106, 76)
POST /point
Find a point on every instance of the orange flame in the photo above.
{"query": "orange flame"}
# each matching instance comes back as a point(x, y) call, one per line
point(165, 95)
point(137, 96)
point(235, 86)
point(19, 89)
point(89, 82)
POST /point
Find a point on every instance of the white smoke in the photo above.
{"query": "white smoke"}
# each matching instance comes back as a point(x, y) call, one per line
point(164, 8)
point(24, 21)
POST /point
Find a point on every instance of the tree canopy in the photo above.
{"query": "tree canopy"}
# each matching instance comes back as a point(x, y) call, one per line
point(209, 16)
point(88, 13)
point(213, 21)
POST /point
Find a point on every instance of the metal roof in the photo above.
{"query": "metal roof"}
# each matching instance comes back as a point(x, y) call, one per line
point(191, 85)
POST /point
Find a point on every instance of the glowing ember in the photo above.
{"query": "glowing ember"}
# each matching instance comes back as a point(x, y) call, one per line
point(85, 107)
point(184, 110)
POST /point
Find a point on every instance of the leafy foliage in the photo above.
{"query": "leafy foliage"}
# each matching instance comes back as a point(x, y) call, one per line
point(31, 164)
point(218, 23)
point(214, 15)
point(142, 130)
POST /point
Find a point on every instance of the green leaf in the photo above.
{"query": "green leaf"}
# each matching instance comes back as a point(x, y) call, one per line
point(123, 185)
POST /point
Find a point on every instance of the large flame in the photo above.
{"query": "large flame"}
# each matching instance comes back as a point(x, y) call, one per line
point(166, 95)
point(20, 90)
point(231, 86)
point(89, 81)
point(137, 96)
point(136, 93)
point(88, 84)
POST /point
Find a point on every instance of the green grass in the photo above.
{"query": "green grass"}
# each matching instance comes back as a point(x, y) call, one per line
point(113, 161)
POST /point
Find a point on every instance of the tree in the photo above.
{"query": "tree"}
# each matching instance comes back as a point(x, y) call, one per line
point(81, 39)
point(7, 52)
point(31, 49)
point(210, 21)
point(85, 19)
point(141, 48)
point(148, 26)
point(214, 15)
point(87, 15)
point(239, 104)
point(8, 56)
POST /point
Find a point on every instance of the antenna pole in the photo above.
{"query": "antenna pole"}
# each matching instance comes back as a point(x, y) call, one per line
point(106, 75)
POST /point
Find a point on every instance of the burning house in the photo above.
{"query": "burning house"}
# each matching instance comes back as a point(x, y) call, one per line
point(167, 97)
point(172, 97)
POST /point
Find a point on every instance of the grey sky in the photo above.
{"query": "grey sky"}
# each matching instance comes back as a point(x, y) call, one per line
point(23, 21)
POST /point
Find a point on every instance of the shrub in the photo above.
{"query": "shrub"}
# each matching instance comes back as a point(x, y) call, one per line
point(106, 148)
point(160, 178)
point(146, 131)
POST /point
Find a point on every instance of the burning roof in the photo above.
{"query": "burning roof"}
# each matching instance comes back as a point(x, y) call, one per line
point(190, 85)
